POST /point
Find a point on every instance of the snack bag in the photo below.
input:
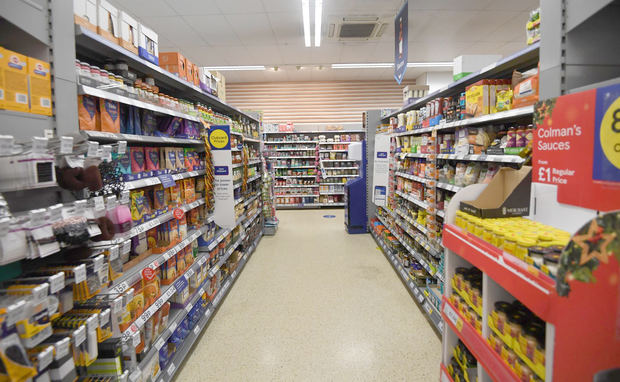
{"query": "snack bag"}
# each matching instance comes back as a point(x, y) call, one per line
point(504, 100)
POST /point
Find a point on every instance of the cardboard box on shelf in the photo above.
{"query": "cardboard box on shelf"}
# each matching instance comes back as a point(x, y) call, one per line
point(205, 79)
point(40, 86)
point(85, 14)
point(107, 21)
point(189, 70)
point(174, 62)
point(196, 78)
point(15, 68)
point(477, 99)
point(129, 32)
point(148, 46)
point(508, 194)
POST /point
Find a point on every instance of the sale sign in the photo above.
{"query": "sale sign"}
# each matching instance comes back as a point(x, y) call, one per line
point(576, 146)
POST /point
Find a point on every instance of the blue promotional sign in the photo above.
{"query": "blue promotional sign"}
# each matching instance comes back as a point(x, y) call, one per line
point(401, 42)
point(606, 163)
point(221, 170)
point(224, 211)
point(219, 137)
point(382, 154)
point(166, 180)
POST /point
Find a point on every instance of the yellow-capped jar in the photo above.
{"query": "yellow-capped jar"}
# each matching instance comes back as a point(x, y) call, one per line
point(523, 244)
point(510, 243)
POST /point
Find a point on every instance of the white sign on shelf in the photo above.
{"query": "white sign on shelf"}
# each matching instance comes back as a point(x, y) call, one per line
point(381, 170)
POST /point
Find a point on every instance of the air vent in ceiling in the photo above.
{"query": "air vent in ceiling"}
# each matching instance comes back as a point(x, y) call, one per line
point(356, 28)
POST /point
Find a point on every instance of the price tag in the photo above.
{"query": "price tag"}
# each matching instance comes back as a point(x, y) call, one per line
point(126, 247)
point(173, 326)
point(66, 145)
point(62, 348)
point(117, 304)
point(171, 369)
point(57, 282)
point(16, 312)
point(79, 336)
point(39, 145)
point(79, 273)
point(99, 203)
point(189, 274)
point(106, 153)
point(135, 339)
point(120, 288)
point(404, 274)
point(93, 148)
point(197, 330)
point(6, 144)
point(104, 317)
point(45, 358)
point(122, 147)
point(208, 313)
point(113, 252)
point(440, 325)
point(452, 316)
point(125, 197)
point(98, 263)
point(159, 344)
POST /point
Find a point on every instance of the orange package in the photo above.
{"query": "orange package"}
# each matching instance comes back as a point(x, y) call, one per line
point(526, 92)
point(150, 286)
point(87, 112)
point(109, 116)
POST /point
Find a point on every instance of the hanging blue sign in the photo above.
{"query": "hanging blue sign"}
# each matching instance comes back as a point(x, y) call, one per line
point(401, 42)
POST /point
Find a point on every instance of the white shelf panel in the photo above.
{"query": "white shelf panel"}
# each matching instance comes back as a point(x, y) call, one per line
point(410, 198)
point(298, 185)
point(105, 136)
point(297, 157)
point(146, 182)
point(415, 178)
point(449, 187)
point(285, 142)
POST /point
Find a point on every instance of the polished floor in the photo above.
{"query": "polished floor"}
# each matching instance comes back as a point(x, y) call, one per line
point(316, 304)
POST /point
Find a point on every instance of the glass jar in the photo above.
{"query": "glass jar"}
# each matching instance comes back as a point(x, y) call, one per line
point(512, 137)
point(498, 236)
point(510, 243)
point(479, 228)
point(523, 244)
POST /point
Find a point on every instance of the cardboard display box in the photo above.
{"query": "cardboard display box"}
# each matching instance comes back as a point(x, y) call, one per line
point(14, 67)
point(508, 194)
point(85, 14)
point(174, 62)
point(129, 32)
point(107, 21)
point(148, 47)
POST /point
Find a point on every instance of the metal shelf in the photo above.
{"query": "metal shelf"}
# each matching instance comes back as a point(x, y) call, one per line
point(525, 58)
point(299, 185)
point(185, 348)
point(483, 158)
point(285, 142)
point(337, 160)
point(25, 125)
point(296, 195)
point(83, 89)
point(431, 312)
point(316, 132)
point(106, 137)
point(299, 157)
point(449, 187)
point(489, 118)
point(413, 177)
point(416, 201)
point(295, 176)
point(31, 16)
point(91, 45)
point(146, 182)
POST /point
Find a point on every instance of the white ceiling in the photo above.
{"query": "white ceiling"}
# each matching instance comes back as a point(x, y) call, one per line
point(270, 32)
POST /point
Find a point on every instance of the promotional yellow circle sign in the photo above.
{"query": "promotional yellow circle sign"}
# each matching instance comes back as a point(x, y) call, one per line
point(610, 133)
point(218, 139)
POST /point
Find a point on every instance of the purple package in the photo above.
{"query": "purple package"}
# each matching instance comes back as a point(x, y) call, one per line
point(149, 122)
point(169, 126)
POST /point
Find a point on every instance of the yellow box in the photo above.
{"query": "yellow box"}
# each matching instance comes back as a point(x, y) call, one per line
point(15, 68)
point(40, 86)
point(2, 55)
point(477, 99)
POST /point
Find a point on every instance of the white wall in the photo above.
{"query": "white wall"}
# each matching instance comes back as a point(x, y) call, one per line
point(435, 80)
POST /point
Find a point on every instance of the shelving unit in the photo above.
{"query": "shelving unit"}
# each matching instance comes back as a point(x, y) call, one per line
point(279, 144)
point(208, 258)
point(417, 193)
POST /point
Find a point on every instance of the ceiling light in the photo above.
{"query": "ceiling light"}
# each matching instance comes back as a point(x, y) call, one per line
point(239, 67)
point(363, 66)
point(430, 64)
point(318, 13)
point(305, 9)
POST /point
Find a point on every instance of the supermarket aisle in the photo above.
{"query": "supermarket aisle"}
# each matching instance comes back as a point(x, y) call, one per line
point(314, 303)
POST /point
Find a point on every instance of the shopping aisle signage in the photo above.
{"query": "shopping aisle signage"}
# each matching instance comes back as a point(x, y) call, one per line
point(219, 140)
point(576, 146)
point(401, 42)
point(381, 170)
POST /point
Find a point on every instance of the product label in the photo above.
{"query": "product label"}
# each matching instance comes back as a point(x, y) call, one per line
point(112, 108)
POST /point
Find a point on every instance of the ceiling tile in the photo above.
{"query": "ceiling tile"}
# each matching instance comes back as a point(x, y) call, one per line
point(512, 30)
point(145, 8)
point(287, 29)
point(237, 6)
point(291, 6)
point(174, 28)
point(194, 7)
point(251, 28)
point(521, 5)
point(264, 54)
point(214, 29)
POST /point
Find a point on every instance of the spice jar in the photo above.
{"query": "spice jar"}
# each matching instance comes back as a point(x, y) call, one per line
point(510, 243)
point(500, 315)
point(536, 255)
point(523, 244)
point(550, 265)
point(515, 322)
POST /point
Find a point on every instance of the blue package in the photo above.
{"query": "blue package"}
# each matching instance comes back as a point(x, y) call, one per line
point(149, 122)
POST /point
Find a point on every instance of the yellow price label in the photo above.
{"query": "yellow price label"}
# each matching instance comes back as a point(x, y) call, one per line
point(459, 324)
point(610, 133)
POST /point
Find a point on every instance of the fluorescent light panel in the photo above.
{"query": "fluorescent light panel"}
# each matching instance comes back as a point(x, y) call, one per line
point(238, 67)
point(305, 9)
point(318, 13)
point(383, 65)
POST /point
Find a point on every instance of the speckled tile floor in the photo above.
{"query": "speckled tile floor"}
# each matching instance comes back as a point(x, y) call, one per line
point(316, 304)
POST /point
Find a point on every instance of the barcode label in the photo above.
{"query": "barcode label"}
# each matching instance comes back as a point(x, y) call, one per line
point(1, 93)
point(21, 98)
point(46, 102)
